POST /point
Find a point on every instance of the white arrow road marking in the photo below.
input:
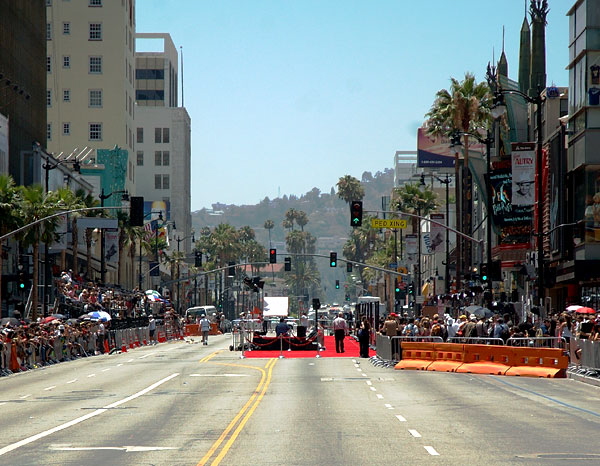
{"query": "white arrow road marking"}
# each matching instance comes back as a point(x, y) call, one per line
point(85, 417)
point(128, 448)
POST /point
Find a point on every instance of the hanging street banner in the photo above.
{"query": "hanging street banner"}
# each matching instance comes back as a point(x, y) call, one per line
point(388, 223)
point(437, 233)
point(523, 173)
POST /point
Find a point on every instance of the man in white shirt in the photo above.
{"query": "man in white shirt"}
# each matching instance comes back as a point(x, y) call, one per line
point(340, 328)
point(204, 328)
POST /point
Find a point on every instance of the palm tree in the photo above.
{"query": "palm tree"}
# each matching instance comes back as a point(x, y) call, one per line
point(464, 108)
point(301, 219)
point(36, 205)
point(69, 201)
point(269, 225)
point(350, 189)
point(9, 198)
point(411, 199)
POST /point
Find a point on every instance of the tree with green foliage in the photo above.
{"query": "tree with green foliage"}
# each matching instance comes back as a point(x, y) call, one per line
point(350, 189)
point(9, 199)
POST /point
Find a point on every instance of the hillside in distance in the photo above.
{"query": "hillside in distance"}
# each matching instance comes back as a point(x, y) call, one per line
point(329, 216)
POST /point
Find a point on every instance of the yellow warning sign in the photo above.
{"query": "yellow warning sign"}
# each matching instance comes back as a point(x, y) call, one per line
point(388, 223)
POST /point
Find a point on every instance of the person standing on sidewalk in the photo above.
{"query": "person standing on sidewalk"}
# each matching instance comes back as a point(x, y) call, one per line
point(204, 328)
point(152, 329)
point(340, 328)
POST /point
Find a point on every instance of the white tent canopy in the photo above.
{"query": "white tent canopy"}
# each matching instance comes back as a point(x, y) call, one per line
point(275, 306)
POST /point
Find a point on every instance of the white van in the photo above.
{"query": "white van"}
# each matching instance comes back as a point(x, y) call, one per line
point(193, 312)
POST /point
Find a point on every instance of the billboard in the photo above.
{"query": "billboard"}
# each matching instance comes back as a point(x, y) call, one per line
point(523, 173)
point(514, 221)
point(435, 151)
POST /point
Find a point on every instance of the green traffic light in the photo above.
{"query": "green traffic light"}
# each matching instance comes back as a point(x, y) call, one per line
point(397, 290)
point(21, 285)
point(484, 278)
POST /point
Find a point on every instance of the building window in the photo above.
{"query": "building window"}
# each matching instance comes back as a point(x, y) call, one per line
point(48, 2)
point(157, 135)
point(95, 3)
point(95, 97)
point(49, 97)
point(161, 182)
point(166, 158)
point(95, 65)
point(165, 137)
point(95, 131)
point(149, 74)
point(66, 95)
point(66, 28)
point(95, 31)
point(66, 61)
point(140, 135)
point(49, 64)
point(140, 158)
point(48, 31)
point(49, 131)
point(66, 129)
point(149, 94)
point(157, 158)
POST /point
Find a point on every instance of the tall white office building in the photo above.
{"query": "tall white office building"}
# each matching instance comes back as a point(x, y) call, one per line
point(163, 140)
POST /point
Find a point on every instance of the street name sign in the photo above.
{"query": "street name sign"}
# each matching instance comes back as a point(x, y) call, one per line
point(388, 223)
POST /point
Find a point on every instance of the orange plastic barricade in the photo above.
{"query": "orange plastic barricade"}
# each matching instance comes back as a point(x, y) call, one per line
point(447, 357)
point(214, 329)
point(539, 362)
point(416, 356)
point(487, 359)
point(191, 330)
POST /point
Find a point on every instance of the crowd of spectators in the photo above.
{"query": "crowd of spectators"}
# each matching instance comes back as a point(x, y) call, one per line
point(563, 325)
point(69, 332)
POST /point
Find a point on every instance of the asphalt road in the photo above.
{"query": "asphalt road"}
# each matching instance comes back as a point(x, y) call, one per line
point(183, 403)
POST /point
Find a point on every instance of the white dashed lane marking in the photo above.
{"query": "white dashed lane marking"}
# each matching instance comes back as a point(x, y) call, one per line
point(71, 381)
point(380, 396)
point(414, 433)
point(431, 451)
point(25, 396)
point(50, 388)
point(400, 418)
point(388, 406)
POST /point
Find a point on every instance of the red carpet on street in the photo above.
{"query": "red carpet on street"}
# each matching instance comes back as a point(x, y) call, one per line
point(351, 350)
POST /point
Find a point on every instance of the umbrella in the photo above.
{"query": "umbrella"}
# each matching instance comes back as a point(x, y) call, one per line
point(472, 309)
point(47, 320)
point(99, 315)
point(59, 316)
point(585, 310)
point(481, 311)
point(10, 321)
point(573, 307)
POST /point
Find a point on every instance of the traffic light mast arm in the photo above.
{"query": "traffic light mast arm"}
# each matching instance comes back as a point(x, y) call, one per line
point(62, 212)
point(398, 212)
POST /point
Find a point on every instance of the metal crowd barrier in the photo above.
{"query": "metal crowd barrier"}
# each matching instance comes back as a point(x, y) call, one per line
point(476, 340)
point(585, 353)
point(538, 342)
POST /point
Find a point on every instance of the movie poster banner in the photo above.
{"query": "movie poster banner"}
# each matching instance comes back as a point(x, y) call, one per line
point(523, 173)
point(513, 221)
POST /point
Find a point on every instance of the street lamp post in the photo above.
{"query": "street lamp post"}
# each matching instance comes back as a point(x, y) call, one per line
point(446, 182)
point(537, 101)
point(140, 276)
point(179, 240)
point(103, 197)
point(47, 166)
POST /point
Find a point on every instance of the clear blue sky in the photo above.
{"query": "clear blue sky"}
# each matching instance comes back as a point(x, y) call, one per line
point(288, 95)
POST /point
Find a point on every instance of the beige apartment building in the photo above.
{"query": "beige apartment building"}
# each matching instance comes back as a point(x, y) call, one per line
point(90, 67)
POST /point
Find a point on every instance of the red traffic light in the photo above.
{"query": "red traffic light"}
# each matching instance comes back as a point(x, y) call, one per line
point(272, 256)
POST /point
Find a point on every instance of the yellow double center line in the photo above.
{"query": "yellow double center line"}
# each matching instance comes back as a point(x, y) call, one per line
point(239, 421)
